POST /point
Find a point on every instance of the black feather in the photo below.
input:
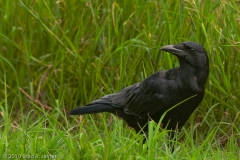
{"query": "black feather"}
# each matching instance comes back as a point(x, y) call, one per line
point(96, 108)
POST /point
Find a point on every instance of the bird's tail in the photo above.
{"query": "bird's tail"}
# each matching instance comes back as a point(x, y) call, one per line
point(93, 108)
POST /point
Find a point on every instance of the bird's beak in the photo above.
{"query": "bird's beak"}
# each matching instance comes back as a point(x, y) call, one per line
point(176, 49)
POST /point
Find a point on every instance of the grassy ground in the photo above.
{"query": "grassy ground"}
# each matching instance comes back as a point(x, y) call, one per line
point(57, 55)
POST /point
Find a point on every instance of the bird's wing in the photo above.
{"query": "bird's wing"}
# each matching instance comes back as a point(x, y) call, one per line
point(142, 99)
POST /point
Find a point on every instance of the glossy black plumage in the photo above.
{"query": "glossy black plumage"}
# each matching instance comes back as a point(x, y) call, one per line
point(149, 99)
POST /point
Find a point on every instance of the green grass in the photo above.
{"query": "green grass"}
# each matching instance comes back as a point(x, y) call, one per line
point(57, 55)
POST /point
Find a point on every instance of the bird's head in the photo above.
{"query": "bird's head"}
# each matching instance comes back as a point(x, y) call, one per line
point(191, 53)
point(192, 56)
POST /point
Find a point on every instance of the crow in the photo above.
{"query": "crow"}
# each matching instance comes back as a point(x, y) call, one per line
point(176, 93)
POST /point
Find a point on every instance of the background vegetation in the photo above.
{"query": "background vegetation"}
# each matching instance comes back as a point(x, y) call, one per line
point(57, 55)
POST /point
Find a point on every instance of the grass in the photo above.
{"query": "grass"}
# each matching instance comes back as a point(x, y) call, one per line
point(57, 55)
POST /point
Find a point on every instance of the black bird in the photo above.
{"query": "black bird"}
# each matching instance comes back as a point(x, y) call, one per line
point(182, 87)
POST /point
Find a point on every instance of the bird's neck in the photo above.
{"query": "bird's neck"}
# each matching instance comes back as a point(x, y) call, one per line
point(202, 76)
point(187, 71)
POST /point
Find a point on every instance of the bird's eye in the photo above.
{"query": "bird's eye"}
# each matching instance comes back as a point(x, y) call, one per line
point(190, 50)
